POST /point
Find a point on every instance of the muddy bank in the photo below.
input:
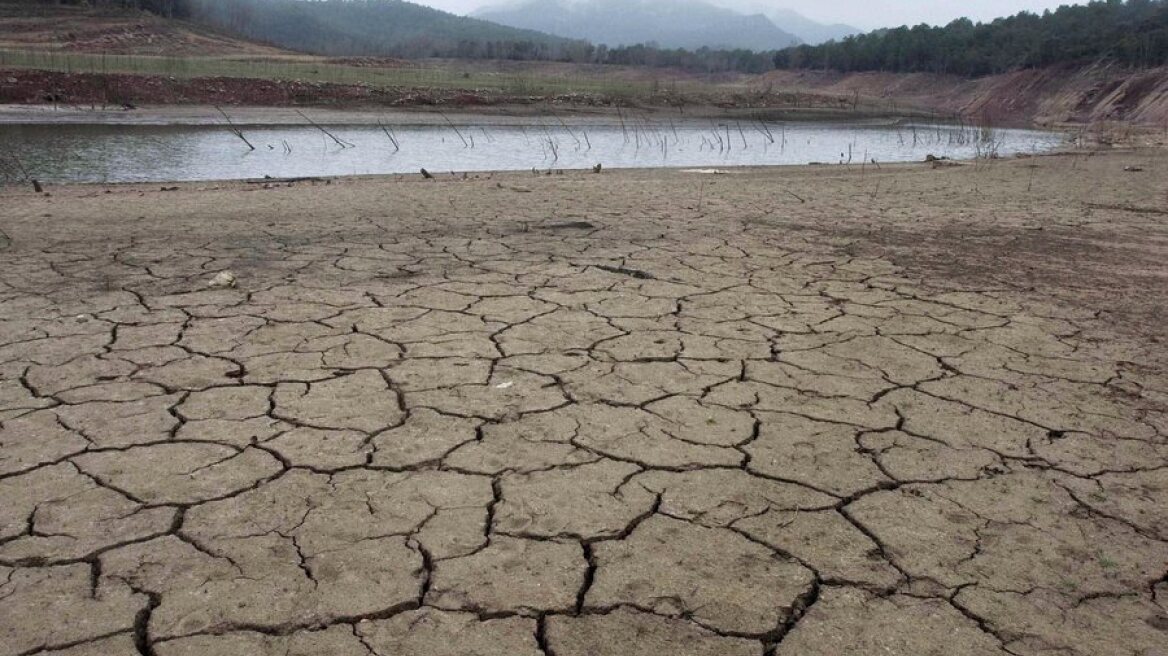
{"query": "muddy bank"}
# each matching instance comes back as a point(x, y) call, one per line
point(105, 90)
point(102, 90)
point(502, 114)
point(262, 116)
point(1052, 96)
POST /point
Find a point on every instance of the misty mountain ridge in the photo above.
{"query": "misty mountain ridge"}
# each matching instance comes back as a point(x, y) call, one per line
point(689, 24)
point(809, 31)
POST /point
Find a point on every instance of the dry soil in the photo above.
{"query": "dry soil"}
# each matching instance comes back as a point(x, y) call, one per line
point(906, 410)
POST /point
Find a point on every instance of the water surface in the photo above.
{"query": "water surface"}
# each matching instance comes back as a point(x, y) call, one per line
point(153, 153)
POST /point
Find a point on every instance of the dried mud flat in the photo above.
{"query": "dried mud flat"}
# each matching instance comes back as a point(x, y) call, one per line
point(803, 411)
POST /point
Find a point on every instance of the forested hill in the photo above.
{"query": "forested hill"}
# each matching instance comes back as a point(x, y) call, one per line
point(1133, 33)
point(363, 27)
point(376, 27)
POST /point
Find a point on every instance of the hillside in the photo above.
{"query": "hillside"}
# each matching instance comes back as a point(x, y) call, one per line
point(1064, 94)
point(689, 24)
point(242, 72)
point(114, 31)
point(375, 27)
point(1131, 32)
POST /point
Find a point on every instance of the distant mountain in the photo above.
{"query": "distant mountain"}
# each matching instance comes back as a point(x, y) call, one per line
point(689, 24)
point(373, 27)
point(809, 31)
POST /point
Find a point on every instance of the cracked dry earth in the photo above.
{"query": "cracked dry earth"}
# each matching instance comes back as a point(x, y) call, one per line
point(920, 412)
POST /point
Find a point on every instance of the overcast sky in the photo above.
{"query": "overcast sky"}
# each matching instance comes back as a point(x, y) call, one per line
point(866, 14)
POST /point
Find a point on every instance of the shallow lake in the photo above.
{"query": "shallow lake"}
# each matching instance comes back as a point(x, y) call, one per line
point(153, 153)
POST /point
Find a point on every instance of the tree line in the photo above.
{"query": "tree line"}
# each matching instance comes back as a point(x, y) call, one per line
point(168, 8)
point(1133, 33)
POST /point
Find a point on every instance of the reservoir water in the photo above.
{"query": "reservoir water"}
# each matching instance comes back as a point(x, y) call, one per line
point(71, 152)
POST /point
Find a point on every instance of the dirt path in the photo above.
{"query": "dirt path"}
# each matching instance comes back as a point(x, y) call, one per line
point(803, 411)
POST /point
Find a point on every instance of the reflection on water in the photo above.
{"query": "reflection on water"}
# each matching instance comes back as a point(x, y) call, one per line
point(138, 153)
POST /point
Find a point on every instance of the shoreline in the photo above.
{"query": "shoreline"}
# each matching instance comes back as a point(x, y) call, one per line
point(822, 182)
point(445, 176)
point(722, 171)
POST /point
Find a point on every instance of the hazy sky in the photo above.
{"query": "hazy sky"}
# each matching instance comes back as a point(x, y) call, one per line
point(865, 14)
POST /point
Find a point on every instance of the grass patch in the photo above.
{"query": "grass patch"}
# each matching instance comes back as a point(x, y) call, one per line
point(307, 70)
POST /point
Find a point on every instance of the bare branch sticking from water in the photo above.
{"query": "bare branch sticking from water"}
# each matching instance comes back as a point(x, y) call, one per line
point(234, 130)
point(340, 142)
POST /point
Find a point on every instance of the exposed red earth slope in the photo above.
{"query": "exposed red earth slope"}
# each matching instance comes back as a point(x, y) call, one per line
point(1061, 94)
